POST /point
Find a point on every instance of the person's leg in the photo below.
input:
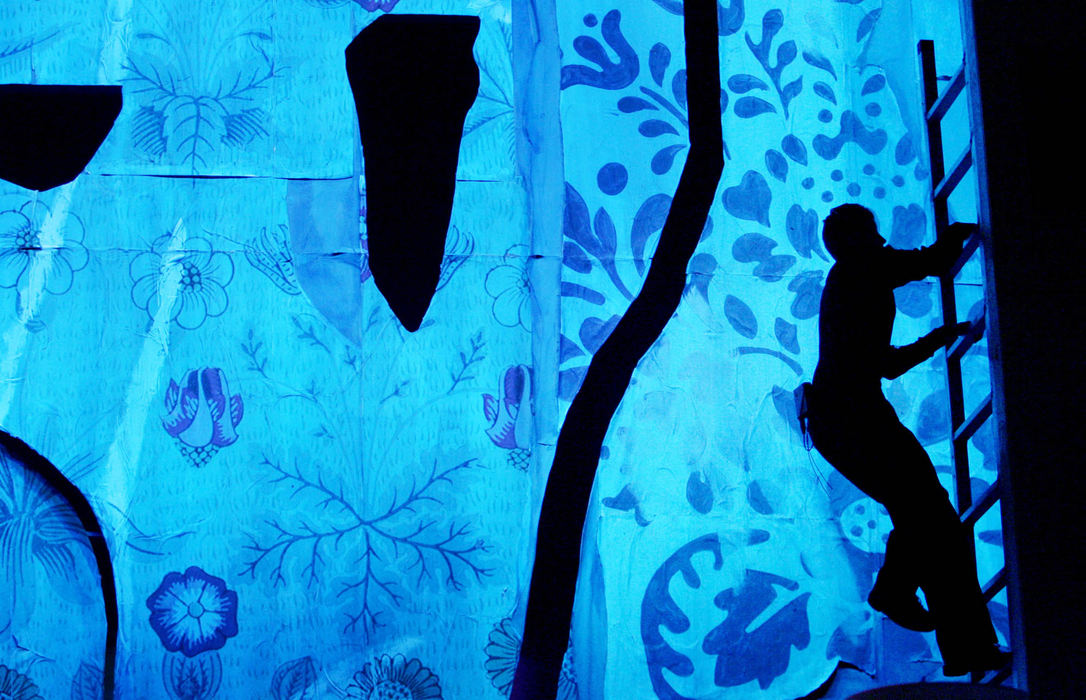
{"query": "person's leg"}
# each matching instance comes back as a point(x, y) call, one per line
point(935, 545)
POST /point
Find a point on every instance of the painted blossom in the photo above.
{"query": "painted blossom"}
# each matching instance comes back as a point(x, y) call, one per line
point(202, 415)
point(509, 287)
point(193, 612)
point(201, 273)
point(22, 240)
point(394, 677)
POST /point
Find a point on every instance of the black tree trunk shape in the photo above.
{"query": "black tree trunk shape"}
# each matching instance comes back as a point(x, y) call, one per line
point(558, 542)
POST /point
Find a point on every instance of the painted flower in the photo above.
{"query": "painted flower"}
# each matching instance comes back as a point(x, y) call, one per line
point(502, 653)
point(16, 686)
point(509, 287)
point(197, 278)
point(394, 678)
point(202, 415)
point(26, 237)
point(510, 414)
point(193, 612)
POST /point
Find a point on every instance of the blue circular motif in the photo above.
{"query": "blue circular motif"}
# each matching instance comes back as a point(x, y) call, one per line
point(590, 20)
point(193, 612)
point(898, 180)
point(853, 189)
point(873, 109)
point(808, 183)
point(612, 178)
point(827, 196)
point(837, 176)
point(869, 169)
point(880, 192)
point(825, 116)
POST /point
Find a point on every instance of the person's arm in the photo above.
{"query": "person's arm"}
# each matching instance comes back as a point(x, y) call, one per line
point(904, 266)
point(898, 361)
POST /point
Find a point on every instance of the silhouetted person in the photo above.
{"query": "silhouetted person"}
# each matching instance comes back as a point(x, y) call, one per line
point(857, 431)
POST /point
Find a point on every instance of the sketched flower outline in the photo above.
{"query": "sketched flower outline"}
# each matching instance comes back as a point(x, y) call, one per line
point(503, 652)
point(394, 677)
point(193, 612)
point(511, 290)
point(16, 686)
point(204, 275)
point(21, 241)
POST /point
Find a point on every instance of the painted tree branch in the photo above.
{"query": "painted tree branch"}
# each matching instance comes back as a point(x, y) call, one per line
point(558, 543)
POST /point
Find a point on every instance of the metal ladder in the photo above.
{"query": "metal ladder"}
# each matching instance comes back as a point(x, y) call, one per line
point(971, 506)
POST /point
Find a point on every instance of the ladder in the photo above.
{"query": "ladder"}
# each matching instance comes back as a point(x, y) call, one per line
point(971, 506)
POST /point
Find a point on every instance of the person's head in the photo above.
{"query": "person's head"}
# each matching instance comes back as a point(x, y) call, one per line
point(850, 229)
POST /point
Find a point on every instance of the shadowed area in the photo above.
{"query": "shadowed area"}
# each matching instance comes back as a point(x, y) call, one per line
point(414, 79)
point(48, 133)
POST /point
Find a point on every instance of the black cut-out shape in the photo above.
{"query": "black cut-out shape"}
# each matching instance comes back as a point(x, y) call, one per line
point(577, 454)
point(414, 79)
point(48, 133)
point(37, 464)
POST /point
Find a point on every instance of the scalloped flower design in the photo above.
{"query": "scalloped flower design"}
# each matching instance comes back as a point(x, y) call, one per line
point(193, 612)
point(394, 678)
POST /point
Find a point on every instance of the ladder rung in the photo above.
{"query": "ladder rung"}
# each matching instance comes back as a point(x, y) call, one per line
point(971, 245)
point(942, 105)
point(981, 505)
point(961, 346)
point(995, 585)
point(944, 188)
point(974, 421)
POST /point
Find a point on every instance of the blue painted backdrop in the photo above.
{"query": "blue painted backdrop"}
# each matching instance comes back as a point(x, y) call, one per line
point(304, 501)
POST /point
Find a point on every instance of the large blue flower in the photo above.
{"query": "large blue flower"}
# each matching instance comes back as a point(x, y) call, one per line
point(193, 612)
point(22, 240)
point(16, 686)
point(200, 273)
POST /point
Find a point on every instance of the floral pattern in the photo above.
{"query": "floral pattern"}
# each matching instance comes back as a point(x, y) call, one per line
point(22, 241)
point(16, 686)
point(508, 285)
point(510, 415)
point(199, 273)
point(502, 652)
point(394, 678)
point(193, 612)
point(203, 416)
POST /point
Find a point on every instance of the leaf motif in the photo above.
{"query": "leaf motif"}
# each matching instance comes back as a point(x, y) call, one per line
point(773, 268)
point(819, 61)
point(747, 107)
point(149, 131)
point(635, 104)
point(776, 164)
point(576, 224)
point(87, 683)
point(659, 59)
point(786, 335)
point(757, 499)
point(567, 349)
point(825, 92)
point(605, 234)
point(573, 257)
point(789, 91)
point(595, 331)
point(648, 220)
point(569, 381)
point(749, 200)
point(571, 289)
point(801, 226)
point(808, 288)
point(293, 679)
point(197, 678)
point(665, 157)
point(698, 493)
point(794, 149)
point(786, 53)
point(752, 247)
point(867, 23)
point(873, 84)
point(656, 127)
point(740, 317)
point(678, 87)
point(743, 82)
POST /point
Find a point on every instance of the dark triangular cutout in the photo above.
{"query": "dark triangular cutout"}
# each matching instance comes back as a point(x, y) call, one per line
point(48, 133)
point(414, 79)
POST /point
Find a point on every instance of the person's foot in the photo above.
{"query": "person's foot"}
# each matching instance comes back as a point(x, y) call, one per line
point(989, 658)
point(902, 608)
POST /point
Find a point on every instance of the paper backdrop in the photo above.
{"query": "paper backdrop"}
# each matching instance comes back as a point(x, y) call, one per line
point(303, 500)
